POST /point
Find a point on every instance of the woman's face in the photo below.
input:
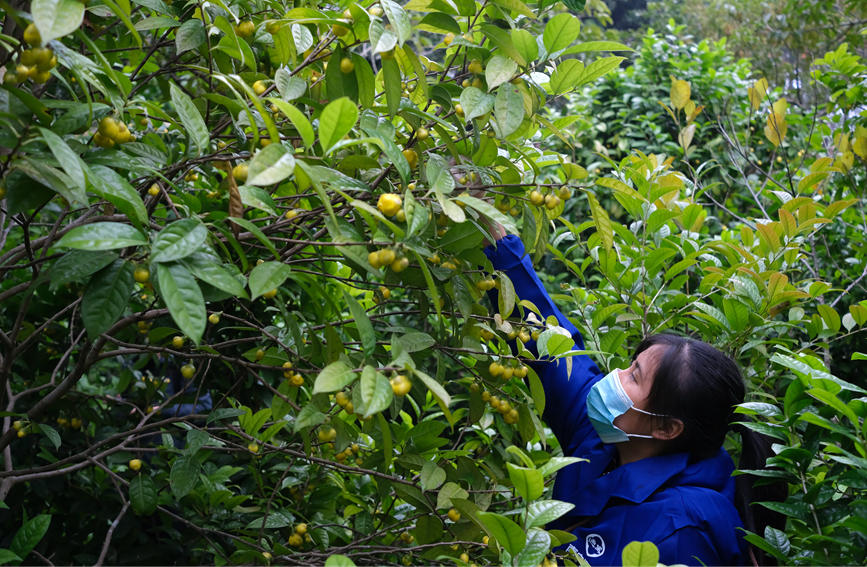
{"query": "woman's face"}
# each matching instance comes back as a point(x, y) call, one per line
point(637, 381)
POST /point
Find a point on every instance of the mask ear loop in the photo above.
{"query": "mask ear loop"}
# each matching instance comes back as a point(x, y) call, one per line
point(650, 413)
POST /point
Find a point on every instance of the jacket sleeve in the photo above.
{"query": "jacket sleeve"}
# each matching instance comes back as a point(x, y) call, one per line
point(565, 391)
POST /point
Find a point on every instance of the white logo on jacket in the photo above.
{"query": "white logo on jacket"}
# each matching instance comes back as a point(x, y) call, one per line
point(594, 545)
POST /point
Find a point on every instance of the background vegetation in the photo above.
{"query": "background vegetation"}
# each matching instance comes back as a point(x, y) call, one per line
point(281, 207)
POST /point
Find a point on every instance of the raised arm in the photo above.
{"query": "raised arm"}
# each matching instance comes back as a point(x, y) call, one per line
point(565, 392)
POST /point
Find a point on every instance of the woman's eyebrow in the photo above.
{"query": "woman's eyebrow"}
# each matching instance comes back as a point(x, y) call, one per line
point(637, 372)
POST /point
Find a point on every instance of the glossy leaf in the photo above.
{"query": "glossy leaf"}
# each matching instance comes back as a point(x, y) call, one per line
point(29, 535)
point(184, 475)
point(106, 297)
point(504, 531)
point(101, 236)
point(183, 297)
point(191, 118)
point(375, 391)
point(267, 276)
point(271, 165)
point(178, 240)
point(336, 121)
point(56, 18)
point(143, 495)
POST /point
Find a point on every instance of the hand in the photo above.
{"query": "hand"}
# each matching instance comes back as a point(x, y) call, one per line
point(495, 229)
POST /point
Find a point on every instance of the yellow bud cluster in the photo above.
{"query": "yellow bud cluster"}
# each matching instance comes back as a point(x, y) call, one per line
point(112, 131)
point(35, 63)
point(388, 257)
point(342, 399)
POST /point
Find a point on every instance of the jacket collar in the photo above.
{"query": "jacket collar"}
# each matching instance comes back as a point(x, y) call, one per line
point(633, 482)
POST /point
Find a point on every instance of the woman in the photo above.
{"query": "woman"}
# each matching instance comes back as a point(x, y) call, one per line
point(652, 434)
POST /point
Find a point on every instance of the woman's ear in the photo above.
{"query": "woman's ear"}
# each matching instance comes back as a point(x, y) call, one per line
point(667, 428)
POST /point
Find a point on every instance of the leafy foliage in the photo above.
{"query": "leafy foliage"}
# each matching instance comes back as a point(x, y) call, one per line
point(283, 211)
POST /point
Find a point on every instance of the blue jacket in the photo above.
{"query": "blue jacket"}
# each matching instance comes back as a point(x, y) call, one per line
point(684, 507)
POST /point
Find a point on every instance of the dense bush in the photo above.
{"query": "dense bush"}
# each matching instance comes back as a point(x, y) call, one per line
point(775, 274)
point(241, 303)
point(242, 277)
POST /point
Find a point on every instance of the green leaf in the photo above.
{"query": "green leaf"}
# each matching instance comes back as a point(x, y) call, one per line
point(178, 240)
point(76, 265)
point(560, 32)
point(475, 103)
point(208, 268)
point(566, 76)
point(375, 389)
point(398, 18)
point(267, 276)
point(191, 118)
point(336, 120)
point(507, 297)
point(7, 556)
point(525, 44)
point(101, 236)
point(435, 388)
point(391, 78)
point(438, 175)
point(414, 341)
point(516, 6)
point(334, 377)
point(257, 198)
point(298, 119)
point(182, 296)
point(68, 159)
point(552, 343)
point(338, 560)
point(52, 178)
point(504, 531)
point(542, 512)
point(508, 110)
point(302, 37)
point(309, 416)
point(143, 495)
point(499, 70)
point(447, 492)
point(382, 39)
point(362, 323)
point(588, 46)
point(112, 187)
point(602, 222)
point(51, 434)
point(431, 476)
point(157, 22)
point(274, 520)
point(640, 554)
point(189, 36)
point(288, 86)
point(106, 297)
point(491, 212)
point(598, 68)
point(429, 528)
point(537, 547)
point(184, 475)
point(502, 40)
point(56, 18)
point(29, 535)
point(528, 482)
point(271, 165)
point(554, 464)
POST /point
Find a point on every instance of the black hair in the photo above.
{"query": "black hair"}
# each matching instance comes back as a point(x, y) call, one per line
point(701, 385)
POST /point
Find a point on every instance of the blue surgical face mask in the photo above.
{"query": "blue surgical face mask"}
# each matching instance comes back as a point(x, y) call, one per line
point(606, 401)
